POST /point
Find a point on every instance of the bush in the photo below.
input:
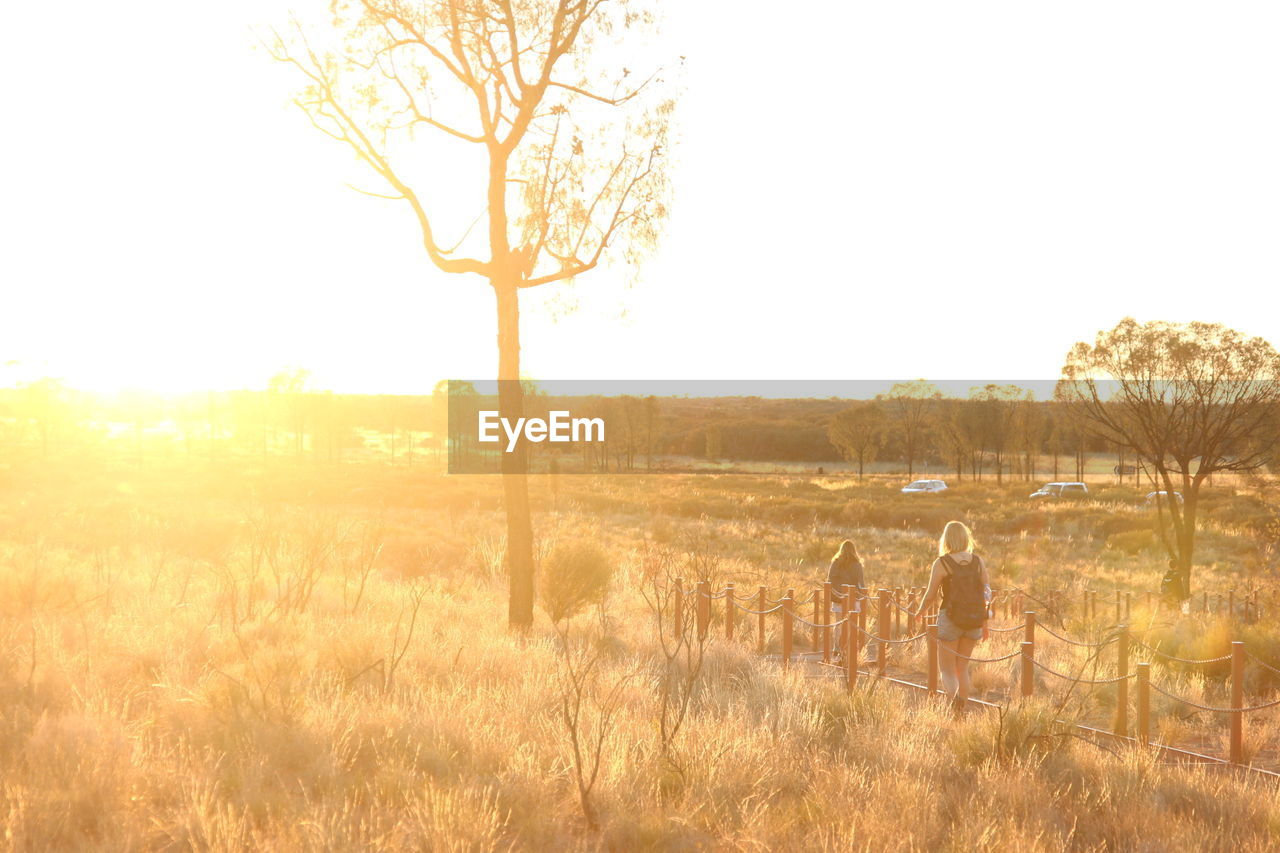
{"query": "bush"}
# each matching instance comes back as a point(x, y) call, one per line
point(575, 575)
point(1132, 541)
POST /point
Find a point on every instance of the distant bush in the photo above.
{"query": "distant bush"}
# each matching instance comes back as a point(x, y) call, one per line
point(1124, 523)
point(1132, 541)
point(1244, 514)
point(1116, 495)
point(575, 574)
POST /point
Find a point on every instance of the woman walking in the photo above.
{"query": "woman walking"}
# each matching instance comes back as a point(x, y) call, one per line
point(846, 568)
point(961, 577)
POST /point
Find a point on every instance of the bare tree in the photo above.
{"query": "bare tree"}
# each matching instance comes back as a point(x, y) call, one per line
point(569, 148)
point(289, 384)
point(1031, 426)
point(910, 404)
point(957, 427)
point(998, 408)
point(681, 653)
point(44, 403)
point(1189, 400)
point(857, 432)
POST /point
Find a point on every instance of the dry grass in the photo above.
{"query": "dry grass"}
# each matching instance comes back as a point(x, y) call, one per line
point(317, 659)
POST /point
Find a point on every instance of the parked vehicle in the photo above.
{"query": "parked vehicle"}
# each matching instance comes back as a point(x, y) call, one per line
point(1154, 497)
point(921, 486)
point(1062, 490)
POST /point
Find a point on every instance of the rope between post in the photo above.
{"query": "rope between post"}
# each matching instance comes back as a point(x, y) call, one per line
point(1012, 654)
point(1085, 680)
point(1262, 663)
point(1168, 656)
point(796, 601)
point(1052, 633)
point(805, 621)
point(757, 612)
point(1157, 688)
point(879, 639)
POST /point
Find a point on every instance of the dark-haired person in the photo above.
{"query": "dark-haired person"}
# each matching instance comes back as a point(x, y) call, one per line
point(846, 568)
point(961, 577)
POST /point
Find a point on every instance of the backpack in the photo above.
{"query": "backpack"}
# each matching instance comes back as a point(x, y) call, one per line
point(966, 593)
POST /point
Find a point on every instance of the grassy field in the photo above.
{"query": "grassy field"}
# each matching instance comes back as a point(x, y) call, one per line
point(316, 657)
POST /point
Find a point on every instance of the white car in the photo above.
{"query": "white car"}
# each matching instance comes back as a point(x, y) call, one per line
point(920, 486)
point(1062, 490)
point(1162, 495)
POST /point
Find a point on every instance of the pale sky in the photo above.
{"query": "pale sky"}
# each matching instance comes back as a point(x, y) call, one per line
point(863, 190)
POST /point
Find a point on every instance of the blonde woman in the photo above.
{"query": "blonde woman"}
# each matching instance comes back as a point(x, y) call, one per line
point(846, 568)
point(961, 577)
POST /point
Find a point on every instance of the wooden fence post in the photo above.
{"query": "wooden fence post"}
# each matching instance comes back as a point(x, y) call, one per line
point(729, 607)
point(825, 622)
point(1237, 702)
point(1118, 613)
point(1030, 616)
point(678, 608)
point(788, 614)
point(1144, 703)
point(1028, 669)
point(761, 608)
point(1128, 605)
point(883, 631)
point(863, 607)
point(704, 609)
point(816, 642)
point(850, 640)
point(931, 643)
point(1122, 686)
point(897, 611)
point(851, 625)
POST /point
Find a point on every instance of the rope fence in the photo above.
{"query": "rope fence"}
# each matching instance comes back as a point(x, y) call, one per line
point(900, 621)
point(1190, 661)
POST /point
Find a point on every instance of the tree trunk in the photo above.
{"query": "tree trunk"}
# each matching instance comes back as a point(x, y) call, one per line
point(515, 482)
point(1187, 534)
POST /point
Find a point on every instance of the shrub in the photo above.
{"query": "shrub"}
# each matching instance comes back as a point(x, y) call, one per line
point(1116, 495)
point(575, 575)
point(1131, 541)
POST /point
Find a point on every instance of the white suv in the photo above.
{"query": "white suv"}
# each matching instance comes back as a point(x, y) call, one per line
point(1062, 490)
point(920, 486)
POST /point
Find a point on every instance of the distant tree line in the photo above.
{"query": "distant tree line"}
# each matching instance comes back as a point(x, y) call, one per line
point(287, 418)
point(997, 432)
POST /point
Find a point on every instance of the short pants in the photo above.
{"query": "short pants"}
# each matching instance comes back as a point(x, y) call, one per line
point(950, 632)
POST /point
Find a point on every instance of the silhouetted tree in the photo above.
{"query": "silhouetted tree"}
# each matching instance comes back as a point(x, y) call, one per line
point(998, 407)
point(571, 152)
point(1189, 400)
point(857, 432)
point(910, 405)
